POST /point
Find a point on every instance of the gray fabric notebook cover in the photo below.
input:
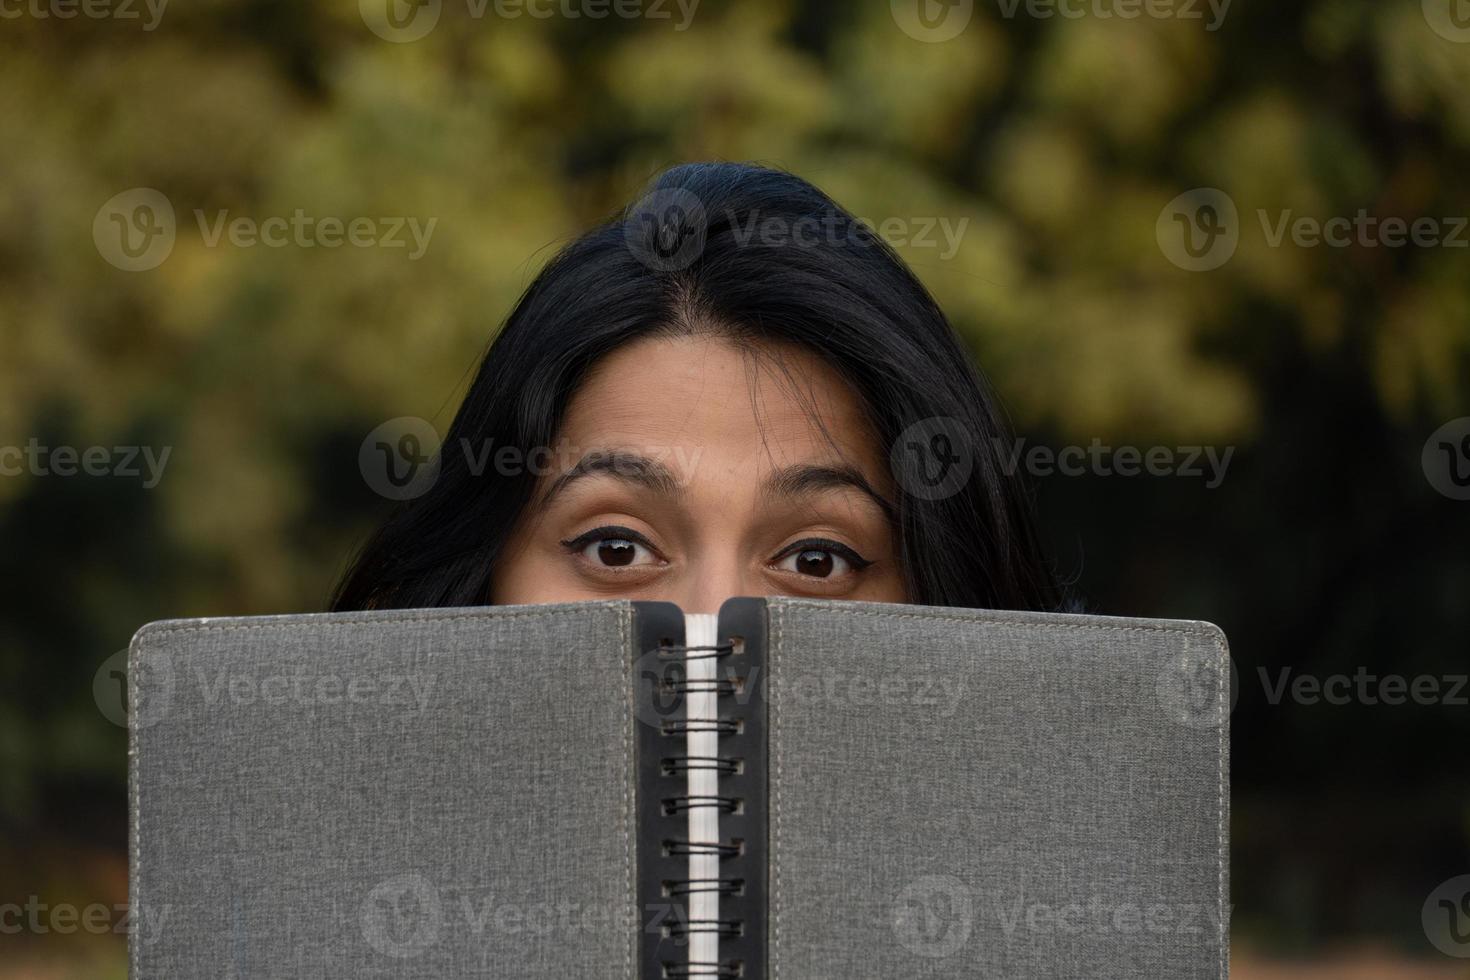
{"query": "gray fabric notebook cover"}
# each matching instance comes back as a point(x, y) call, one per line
point(962, 793)
point(465, 811)
point(450, 793)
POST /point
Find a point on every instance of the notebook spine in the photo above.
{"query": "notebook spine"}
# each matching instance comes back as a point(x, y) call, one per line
point(742, 714)
point(672, 676)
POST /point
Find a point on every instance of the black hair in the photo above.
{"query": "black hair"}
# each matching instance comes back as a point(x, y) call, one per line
point(758, 255)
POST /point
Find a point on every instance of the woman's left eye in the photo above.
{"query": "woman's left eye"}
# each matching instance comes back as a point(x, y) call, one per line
point(821, 560)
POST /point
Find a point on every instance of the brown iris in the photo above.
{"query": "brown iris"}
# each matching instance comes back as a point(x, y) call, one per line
point(817, 563)
point(616, 551)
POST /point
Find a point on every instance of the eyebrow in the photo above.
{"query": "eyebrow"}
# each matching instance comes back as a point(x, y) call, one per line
point(805, 479)
point(800, 480)
point(628, 466)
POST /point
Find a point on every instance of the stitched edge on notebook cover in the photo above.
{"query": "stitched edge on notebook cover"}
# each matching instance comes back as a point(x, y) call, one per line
point(1204, 630)
point(147, 638)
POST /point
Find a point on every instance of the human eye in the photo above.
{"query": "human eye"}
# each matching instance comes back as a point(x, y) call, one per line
point(613, 546)
point(820, 558)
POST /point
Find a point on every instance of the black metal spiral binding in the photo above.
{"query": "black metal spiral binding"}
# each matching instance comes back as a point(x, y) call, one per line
point(725, 928)
point(681, 652)
point(673, 805)
point(691, 886)
point(680, 848)
point(677, 764)
point(721, 726)
point(665, 883)
point(719, 688)
point(673, 765)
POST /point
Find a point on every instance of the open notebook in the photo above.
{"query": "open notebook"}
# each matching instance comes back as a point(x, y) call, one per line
point(791, 789)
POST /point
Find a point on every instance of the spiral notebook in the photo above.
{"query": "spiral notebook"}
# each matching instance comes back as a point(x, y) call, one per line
point(790, 789)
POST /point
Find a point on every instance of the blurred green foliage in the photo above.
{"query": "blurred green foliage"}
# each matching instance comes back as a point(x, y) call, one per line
point(1058, 140)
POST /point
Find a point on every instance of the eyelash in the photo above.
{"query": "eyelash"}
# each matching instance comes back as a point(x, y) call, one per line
point(857, 561)
point(615, 532)
point(608, 532)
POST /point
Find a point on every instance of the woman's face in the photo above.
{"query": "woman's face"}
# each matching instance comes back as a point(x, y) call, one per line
point(689, 472)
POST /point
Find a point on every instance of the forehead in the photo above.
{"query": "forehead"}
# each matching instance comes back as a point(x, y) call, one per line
point(767, 405)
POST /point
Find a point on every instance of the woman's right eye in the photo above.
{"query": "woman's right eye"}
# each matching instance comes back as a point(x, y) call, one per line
point(613, 548)
point(617, 551)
